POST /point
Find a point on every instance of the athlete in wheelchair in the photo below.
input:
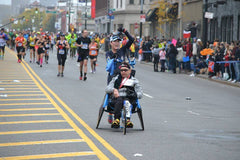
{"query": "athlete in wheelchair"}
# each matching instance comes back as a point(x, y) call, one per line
point(124, 90)
point(114, 60)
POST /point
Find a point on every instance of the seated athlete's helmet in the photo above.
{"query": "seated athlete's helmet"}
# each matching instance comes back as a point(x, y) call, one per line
point(114, 38)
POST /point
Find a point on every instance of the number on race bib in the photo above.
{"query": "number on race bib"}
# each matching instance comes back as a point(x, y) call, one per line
point(61, 51)
point(19, 44)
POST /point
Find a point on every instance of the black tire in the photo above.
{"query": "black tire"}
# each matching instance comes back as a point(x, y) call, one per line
point(101, 110)
point(139, 111)
point(124, 120)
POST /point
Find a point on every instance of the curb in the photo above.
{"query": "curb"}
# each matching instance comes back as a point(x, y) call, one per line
point(202, 77)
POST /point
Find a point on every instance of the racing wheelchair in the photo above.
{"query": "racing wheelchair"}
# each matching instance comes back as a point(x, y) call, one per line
point(106, 106)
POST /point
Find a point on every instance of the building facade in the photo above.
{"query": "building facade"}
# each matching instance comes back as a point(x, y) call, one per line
point(225, 24)
point(18, 6)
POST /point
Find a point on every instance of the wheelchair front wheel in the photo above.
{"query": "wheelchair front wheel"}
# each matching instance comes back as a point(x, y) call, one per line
point(101, 110)
point(139, 111)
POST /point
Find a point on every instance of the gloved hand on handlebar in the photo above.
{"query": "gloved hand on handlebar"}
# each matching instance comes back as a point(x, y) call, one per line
point(131, 94)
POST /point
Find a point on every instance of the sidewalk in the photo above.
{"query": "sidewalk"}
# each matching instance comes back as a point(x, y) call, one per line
point(203, 76)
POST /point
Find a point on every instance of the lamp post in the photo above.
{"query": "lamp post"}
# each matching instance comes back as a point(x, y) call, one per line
point(140, 21)
point(86, 15)
point(205, 25)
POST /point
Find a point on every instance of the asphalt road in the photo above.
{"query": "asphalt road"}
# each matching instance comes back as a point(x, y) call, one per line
point(205, 127)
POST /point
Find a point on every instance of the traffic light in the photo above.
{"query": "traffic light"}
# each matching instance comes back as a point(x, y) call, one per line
point(67, 14)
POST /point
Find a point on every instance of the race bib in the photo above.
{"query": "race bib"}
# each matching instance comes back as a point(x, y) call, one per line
point(93, 52)
point(19, 44)
point(47, 46)
point(74, 44)
point(61, 51)
point(85, 46)
point(2, 44)
point(32, 43)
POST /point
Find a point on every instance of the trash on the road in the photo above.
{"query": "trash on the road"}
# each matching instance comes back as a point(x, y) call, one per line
point(138, 155)
point(3, 95)
point(16, 81)
point(188, 98)
point(2, 89)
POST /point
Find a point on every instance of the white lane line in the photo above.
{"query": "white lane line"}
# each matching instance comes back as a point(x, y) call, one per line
point(147, 95)
point(194, 113)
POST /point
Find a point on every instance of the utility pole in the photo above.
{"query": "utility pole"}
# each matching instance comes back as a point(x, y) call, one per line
point(141, 22)
point(205, 24)
point(180, 19)
point(69, 16)
point(86, 15)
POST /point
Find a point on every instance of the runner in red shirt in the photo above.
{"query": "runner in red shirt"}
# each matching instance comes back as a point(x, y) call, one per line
point(19, 41)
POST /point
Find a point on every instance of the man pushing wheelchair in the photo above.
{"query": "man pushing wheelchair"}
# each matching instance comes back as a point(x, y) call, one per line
point(124, 89)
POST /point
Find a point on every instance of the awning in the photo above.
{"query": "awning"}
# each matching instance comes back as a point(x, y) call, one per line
point(151, 15)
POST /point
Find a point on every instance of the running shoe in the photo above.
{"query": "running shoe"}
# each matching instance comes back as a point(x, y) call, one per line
point(30, 61)
point(115, 123)
point(80, 78)
point(62, 75)
point(40, 65)
point(85, 78)
point(110, 118)
point(58, 74)
point(129, 124)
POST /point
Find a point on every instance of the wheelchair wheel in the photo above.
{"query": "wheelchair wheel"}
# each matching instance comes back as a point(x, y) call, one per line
point(101, 110)
point(124, 120)
point(139, 111)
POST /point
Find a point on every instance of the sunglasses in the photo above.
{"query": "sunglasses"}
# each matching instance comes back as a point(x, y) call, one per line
point(124, 70)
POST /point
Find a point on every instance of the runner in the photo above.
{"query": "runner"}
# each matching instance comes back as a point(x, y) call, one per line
point(83, 51)
point(41, 49)
point(61, 47)
point(47, 47)
point(3, 39)
point(93, 47)
point(36, 46)
point(19, 46)
point(73, 46)
point(32, 47)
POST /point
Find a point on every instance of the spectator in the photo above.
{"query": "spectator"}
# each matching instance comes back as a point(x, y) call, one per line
point(162, 56)
point(171, 55)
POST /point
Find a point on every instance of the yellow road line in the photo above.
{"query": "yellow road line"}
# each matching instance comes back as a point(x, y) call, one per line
point(23, 115)
point(98, 152)
point(18, 85)
point(27, 109)
point(14, 83)
point(18, 91)
point(22, 95)
point(25, 122)
point(20, 104)
point(40, 142)
point(17, 88)
point(11, 80)
point(33, 99)
point(43, 156)
point(36, 131)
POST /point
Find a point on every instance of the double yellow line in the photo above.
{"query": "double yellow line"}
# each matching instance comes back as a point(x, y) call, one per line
point(98, 152)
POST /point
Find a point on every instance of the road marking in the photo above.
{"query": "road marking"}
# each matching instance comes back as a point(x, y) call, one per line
point(33, 99)
point(20, 104)
point(90, 143)
point(19, 88)
point(43, 156)
point(22, 95)
point(27, 109)
point(24, 115)
point(14, 85)
point(18, 91)
point(36, 131)
point(194, 113)
point(147, 95)
point(25, 122)
point(40, 142)
point(12, 80)
point(99, 138)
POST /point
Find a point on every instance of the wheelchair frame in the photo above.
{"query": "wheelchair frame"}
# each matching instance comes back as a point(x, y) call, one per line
point(103, 108)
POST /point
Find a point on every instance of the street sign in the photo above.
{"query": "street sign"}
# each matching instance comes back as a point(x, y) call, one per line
point(208, 15)
point(135, 25)
point(142, 18)
point(110, 12)
point(110, 17)
point(54, 12)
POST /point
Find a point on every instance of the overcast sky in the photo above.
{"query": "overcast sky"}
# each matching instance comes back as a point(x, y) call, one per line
point(8, 2)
